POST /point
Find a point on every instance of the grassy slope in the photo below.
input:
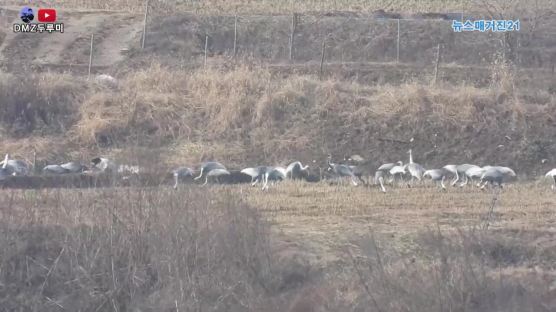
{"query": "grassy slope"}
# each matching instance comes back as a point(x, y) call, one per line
point(248, 115)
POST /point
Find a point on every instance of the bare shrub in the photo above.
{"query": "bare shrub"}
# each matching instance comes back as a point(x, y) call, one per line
point(146, 249)
point(456, 273)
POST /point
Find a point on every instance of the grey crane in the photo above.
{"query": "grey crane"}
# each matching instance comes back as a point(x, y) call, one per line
point(74, 167)
point(256, 173)
point(180, 173)
point(273, 174)
point(398, 170)
point(437, 175)
point(104, 165)
point(552, 174)
point(462, 172)
point(415, 170)
point(341, 170)
point(54, 169)
point(5, 171)
point(496, 174)
point(18, 167)
point(208, 167)
point(384, 170)
point(296, 170)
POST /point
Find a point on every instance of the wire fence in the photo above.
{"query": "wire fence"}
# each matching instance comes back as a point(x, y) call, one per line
point(300, 39)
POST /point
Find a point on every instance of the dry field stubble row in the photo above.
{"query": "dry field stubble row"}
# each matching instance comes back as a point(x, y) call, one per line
point(317, 214)
point(203, 248)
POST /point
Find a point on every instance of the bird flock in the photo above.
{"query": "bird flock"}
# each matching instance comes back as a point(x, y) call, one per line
point(395, 173)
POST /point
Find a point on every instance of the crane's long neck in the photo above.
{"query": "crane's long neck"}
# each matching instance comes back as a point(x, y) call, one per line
point(410, 157)
point(5, 161)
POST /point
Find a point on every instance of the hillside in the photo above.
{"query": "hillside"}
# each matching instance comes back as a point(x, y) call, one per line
point(262, 107)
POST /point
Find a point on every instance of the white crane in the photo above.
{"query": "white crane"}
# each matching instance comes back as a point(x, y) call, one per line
point(552, 174)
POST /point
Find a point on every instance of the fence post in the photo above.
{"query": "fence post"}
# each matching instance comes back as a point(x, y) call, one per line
point(292, 35)
point(438, 51)
point(145, 24)
point(235, 36)
point(322, 57)
point(206, 46)
point(90, 57)
point(398, 44)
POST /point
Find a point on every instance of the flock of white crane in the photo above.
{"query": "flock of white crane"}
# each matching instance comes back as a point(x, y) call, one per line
point(395, 172)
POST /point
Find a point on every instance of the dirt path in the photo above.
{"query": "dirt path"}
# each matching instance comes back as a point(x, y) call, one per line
point(114, 32)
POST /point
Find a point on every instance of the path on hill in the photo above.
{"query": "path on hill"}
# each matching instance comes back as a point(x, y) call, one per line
point(114, 32)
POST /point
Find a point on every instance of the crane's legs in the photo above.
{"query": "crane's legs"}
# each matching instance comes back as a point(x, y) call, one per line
point(206, 179)
point(464, 183)
point(381, 181)
point(200, 175)
point(456, 179)
point(176, 181)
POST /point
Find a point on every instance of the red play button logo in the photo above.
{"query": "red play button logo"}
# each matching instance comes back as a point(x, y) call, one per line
point(46, 15)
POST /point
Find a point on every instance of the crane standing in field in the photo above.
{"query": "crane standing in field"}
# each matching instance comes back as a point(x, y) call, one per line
point(212, 169)
point(341, 171)
point(438, 176)
point(296, 170)
point(415, 170)
point(382, 171)
point(496, 174)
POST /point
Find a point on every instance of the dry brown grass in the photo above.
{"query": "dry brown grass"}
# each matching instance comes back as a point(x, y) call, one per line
point(250, 114)
point(338, 247)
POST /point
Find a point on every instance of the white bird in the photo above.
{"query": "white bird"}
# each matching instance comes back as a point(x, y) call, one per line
point(209, 166)
point(415, 170)
point(496, 174)
point(18, 167)
point(180, 173)
point(341, 170)
point(296, 170)
point(437, 175)
point(552, 173)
